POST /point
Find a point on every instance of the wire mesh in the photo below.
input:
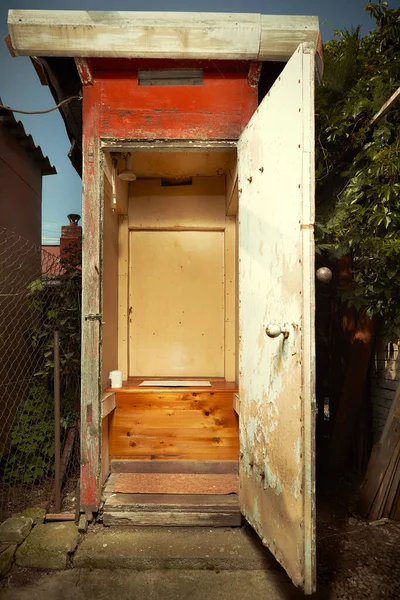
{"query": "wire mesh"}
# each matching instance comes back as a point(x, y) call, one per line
point(39, 292)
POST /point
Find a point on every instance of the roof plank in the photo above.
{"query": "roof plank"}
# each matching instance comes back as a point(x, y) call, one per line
point(233, 36)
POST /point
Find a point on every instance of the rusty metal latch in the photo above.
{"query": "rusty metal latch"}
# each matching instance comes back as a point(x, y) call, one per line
point(91, 317)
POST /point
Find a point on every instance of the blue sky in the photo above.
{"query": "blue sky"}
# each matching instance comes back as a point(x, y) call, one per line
point(20, 86)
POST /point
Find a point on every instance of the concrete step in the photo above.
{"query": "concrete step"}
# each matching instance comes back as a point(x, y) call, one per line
point(176, 548)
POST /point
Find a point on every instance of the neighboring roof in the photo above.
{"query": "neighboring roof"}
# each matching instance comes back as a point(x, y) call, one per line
point(216, 36)
point(17, 131)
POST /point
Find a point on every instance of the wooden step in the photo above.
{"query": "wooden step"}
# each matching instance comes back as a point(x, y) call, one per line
point(203, 467)
point(169, 510)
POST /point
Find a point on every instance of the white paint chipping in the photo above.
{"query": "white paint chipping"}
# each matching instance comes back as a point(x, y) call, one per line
point(275, 166)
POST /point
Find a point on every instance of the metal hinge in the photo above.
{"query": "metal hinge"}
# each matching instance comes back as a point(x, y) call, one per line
point(91, 317)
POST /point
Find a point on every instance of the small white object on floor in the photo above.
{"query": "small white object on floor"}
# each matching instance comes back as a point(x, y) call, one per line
point(175, 383)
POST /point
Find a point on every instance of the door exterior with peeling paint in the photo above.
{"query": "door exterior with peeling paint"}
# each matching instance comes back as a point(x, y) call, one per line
point(276, 290)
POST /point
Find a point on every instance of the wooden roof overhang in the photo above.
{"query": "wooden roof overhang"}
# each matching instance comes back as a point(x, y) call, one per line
point(116, 34)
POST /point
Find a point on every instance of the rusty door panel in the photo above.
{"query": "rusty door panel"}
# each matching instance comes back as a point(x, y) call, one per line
point(276, 253)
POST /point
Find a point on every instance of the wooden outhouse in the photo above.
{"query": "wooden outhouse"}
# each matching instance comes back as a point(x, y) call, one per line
point(198, 257)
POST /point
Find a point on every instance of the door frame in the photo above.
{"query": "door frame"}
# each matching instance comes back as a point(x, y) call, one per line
point(94, 149)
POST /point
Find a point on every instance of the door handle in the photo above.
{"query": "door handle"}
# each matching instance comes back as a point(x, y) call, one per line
point(273, 331)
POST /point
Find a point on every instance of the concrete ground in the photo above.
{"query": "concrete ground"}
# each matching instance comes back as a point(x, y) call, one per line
point(158, 564)
point(124, 584)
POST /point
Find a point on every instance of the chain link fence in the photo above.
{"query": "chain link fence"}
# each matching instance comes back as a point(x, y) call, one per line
point(39, 294)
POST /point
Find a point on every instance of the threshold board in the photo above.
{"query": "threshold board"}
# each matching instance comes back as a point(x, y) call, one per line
point(202, 467)
point(171, 510)
point(175, 483)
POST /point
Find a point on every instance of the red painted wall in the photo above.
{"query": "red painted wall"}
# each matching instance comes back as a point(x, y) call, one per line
point(218, 110)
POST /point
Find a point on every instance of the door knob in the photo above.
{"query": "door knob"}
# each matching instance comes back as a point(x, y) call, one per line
point(272, 330)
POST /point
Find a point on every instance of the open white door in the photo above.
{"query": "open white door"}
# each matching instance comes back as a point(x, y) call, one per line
point(276, 288)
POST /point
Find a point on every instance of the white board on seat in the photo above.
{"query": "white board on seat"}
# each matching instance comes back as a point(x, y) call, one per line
point(174, 383)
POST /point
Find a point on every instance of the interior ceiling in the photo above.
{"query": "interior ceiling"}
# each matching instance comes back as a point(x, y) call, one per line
point(176, 165)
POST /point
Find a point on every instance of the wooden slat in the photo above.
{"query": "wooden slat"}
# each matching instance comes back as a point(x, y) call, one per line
point(393, 491)
point(395, 512)
point(173, 519)
point(108, 489)
point(175, 466)
point(378, 467)
point(382, 465)
point(159, 34)
point(108, 403)
point(381, 497)
point(394, 412)
point(172, 503)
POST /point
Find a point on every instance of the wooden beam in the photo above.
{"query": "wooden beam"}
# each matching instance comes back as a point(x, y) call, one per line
point(130, 34)
point(254, 74)
point(92, 275)
point(382, 111)
point(123, 296)
point(232, 196)
point(84, 72)
point(108, 404)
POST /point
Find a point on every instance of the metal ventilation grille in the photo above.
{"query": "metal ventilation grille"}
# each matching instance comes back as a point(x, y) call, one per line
point(171, 77)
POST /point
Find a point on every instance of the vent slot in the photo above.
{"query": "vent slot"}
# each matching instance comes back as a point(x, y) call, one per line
point(176, 182)
point(171, 77)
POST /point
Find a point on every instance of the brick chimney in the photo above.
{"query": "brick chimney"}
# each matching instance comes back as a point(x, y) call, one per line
point(71, 238)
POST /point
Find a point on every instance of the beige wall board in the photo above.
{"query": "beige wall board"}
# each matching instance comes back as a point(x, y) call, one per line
point(123, 296)
point(177, 303)
point(110, 290)
point(201, 204)
point(182, 164)
point(230, 299)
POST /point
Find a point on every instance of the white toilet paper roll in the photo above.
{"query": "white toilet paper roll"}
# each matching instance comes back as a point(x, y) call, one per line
point(116, 379)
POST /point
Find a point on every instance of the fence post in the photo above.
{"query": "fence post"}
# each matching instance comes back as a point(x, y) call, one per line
point(57, 450)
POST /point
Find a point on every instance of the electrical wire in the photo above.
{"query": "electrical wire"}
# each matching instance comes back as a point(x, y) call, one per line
point(41, 112)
